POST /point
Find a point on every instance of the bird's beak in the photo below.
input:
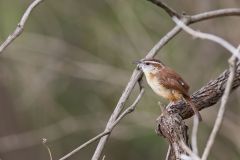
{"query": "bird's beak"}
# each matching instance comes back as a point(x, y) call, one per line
point(139, 62)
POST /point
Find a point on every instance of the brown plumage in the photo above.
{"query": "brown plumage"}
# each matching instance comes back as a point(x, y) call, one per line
point(167, 83)
point(170, 79)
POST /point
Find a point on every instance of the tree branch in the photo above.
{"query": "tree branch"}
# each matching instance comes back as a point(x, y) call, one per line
point(218, 122)
point(136, 73)
point(166, 123)
point(171, 12)
point(215, 14)
point(207, 96)
point(207, 36)
point(203, 98)
point(85, 145)
point(189, 151)
point(20, 26)
point(109, 130)
point(194, 134)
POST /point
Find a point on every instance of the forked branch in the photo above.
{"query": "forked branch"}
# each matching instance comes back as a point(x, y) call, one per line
point(171, 12)
point(219, 119)
point(136, 74)
point(130, 109)
point(207, 96)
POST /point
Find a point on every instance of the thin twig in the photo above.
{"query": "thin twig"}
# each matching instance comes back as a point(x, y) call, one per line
point(103, 157)
point(168, 152)
point(126, 93)
point(136, 73)
point(189, 151)
point(171, 12)
point(109, 130)
point(130, 108)
point(208, 36)
point(215, 14)
point(232, 62)
point(219, 119)
point(44, 141)
point(20, 27)
point(85, 144)
point(194, 134)
point(209, 15)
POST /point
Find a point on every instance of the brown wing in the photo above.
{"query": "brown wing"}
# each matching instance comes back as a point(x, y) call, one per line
point(170, 79)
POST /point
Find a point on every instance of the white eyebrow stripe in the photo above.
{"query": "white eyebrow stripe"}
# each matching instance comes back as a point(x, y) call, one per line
point(152, 62)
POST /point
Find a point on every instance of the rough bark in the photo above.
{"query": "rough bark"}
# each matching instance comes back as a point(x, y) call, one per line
point(170, 123)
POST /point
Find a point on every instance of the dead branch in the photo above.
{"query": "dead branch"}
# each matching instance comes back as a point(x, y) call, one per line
point(189, 151)
point(219, 119)
point(209, 94)
point(194, 135)
point(130, 109)
point(203, 98)
point(137, 74)
point(208, 36)
point(172, 127)
point(171, 12)
point(20, 26)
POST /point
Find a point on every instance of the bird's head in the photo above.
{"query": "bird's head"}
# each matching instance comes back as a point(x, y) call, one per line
point(150, 65)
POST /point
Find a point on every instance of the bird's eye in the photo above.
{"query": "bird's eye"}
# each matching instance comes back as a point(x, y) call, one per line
point(147, 64)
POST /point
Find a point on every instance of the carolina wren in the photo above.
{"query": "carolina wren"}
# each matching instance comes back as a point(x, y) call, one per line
point(166, 83)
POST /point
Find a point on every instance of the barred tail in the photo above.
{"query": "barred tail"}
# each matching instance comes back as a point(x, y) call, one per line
point(192, 105)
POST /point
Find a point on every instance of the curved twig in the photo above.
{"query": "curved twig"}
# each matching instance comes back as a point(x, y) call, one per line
point(215, 14)
point(207, 36)
point(130, 109)
point(219, 119)
point(136, 73)
point(189, 151)
point(194, 134)
point(171, 12)
point(20, 26)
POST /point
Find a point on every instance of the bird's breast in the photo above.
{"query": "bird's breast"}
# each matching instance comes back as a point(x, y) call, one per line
point(162, 91)
point(158, 88)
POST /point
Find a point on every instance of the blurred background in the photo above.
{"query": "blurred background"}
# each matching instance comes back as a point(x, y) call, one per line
point(62, 78)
